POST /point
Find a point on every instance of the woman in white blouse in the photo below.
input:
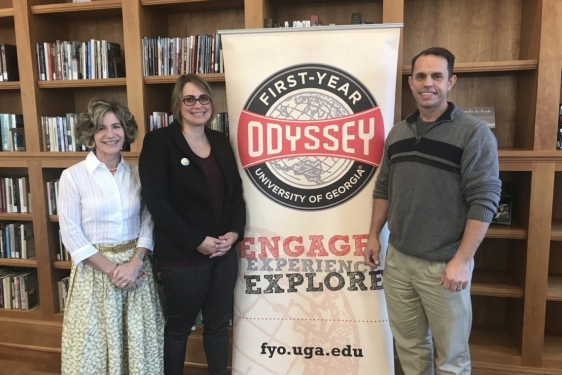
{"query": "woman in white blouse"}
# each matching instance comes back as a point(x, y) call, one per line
point(113, 322)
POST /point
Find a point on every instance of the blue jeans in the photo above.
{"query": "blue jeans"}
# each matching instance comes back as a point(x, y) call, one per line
point(210, 288)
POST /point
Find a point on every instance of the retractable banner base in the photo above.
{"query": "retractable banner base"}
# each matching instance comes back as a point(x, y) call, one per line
point(309, 110)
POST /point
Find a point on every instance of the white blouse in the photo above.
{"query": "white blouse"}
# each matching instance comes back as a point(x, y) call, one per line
point(96, 207)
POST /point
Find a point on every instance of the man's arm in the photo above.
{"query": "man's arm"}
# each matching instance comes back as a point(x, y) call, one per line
point(378, 219)
point(456, 274)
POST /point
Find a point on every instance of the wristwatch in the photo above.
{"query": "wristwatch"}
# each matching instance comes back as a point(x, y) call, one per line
point(140, 255)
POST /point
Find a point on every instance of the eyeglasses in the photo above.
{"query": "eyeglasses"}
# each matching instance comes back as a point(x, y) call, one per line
point(190, 100)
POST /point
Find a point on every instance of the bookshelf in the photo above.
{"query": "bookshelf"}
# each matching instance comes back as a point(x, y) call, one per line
point(517, 286)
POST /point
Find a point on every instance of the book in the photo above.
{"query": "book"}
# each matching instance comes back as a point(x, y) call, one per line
point(315, 20)
point(16, 122)
point(9, 56)
point(503, 213)
point(18, 139)
point(486, 114)
point(356, 18)
point(115, 62)
point(559, 141)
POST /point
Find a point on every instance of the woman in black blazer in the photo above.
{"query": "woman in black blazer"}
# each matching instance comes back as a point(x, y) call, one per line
point(192, 188)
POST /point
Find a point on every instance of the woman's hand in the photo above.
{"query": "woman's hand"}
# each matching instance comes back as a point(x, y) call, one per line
point(225, 244)
point(125, 276)
point(209, 246)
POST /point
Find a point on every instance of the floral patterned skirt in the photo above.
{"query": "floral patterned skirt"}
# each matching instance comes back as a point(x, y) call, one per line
point(110, 331)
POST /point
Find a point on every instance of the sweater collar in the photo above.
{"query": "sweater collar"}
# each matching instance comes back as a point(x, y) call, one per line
point(448, 115)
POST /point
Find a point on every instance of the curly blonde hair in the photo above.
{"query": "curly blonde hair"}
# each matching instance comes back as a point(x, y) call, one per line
point(91, 120)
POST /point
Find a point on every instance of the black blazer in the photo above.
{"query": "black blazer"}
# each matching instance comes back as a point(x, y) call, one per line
point(176, 194)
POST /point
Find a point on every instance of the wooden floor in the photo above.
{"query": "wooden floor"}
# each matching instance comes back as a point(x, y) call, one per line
point(8, 367)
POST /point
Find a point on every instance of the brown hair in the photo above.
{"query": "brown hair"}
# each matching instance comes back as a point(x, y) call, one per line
point(437, 51)
point(178, 92)
point(90, 121)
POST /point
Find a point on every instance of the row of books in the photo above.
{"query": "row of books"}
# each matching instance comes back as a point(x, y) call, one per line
point(159, 120)
point(220, 123)
point(201, 54)
point(17, 240)
point(65, 60)
point(8, 63)
point(57, 133)
point(14, 194)
point(18, 289)
point(62, 286)
point(11, 132)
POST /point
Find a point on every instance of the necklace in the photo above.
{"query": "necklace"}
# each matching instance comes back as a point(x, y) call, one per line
point(113, 169)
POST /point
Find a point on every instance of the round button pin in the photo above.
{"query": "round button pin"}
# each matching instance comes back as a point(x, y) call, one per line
point(185, 161)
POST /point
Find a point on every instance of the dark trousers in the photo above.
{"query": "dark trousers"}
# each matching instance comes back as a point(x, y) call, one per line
point(210, 288)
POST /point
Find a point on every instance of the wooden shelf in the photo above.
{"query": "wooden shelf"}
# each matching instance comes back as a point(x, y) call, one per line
point(10, 85)
point(495, 284)
point(6, 12)
point(493, 346)
point(554, 292)
point(184, 6)
point(556, 230)
point(512, 231)
point(158, 80)
point(34, 313)
point(305, 2)
point(59, 317)
point(51, 159)
point(552, 352)
point(6, 16)
point(16, 216)
point(54, 218)
point(487, 66)
point(76, 83)
point(88, 10)
point(62, 264)
point(18, 262)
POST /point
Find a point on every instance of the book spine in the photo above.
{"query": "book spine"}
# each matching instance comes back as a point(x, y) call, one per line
point(3, 55)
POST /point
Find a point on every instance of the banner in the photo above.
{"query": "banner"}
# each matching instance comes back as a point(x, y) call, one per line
point(309, 110)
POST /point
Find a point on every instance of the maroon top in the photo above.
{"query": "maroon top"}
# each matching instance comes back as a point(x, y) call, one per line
point(215, 184)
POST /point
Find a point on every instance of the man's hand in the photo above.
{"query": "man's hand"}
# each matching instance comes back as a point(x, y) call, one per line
point(372, 251)
point(456, 275)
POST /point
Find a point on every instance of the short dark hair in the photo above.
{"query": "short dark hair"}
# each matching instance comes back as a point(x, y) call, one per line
point(178, 92)
point(90, 121)
point(437, 51)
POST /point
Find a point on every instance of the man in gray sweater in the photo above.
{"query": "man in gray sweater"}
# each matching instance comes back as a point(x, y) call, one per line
point(438, 188)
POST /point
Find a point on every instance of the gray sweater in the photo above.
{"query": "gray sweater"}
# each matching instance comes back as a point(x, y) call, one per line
point(435, 181)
